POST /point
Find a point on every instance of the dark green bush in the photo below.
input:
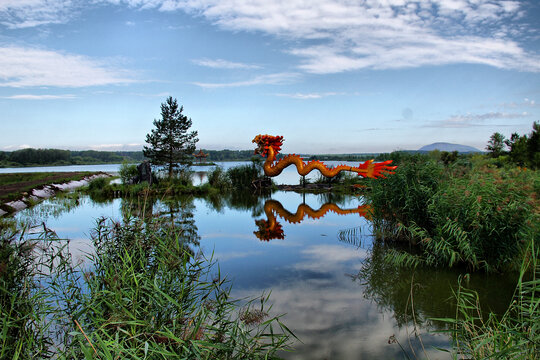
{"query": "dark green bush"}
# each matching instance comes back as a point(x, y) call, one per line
point(98, 184)
point(218, 178)
point(128, 172)
point(490, 209)
point(242, 177)
point(403, 197)
point(478, 216)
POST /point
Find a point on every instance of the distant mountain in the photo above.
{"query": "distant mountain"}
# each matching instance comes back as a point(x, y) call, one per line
point(442, 146)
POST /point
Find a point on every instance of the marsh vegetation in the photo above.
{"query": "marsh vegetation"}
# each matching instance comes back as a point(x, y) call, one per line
point(440, 255)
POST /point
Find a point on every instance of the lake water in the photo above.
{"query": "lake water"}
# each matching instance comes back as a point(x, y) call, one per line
point(288, 176)
point(324, 272)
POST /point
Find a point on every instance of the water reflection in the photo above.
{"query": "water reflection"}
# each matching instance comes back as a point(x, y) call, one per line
point(53, 207)
point(339, 296)
point(270, 228)
point(424, 293)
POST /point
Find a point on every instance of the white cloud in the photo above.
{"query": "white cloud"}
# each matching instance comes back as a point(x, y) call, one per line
point(309, 96)
point(116, 147)
point(16, 147)
point(470, 120)
point(39, 97)
point(351, 35)
point(224, 64)
point(525, 103)
point(29, 67)
point(16, 14)
point(268, 79)
point(375, 34)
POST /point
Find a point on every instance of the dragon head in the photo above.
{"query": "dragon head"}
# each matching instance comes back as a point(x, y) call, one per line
point(265, 142)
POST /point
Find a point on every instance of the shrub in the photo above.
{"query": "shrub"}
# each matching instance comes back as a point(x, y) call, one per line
point(403, 196)
point(218, 178)
point(98, 184)
point(128, 172)
point(242, 177)
point(489, 210)
point(481, 217)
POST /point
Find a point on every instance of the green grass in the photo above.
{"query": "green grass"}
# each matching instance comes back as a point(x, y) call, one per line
point(467, 214)
point(145, 295)
point(515, 334)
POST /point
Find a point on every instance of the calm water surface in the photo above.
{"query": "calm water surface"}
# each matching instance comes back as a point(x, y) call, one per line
point(288, 176)
point(337, 294)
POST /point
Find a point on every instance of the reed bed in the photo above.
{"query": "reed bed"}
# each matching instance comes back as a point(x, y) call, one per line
point(473, 215)
point(142, 294)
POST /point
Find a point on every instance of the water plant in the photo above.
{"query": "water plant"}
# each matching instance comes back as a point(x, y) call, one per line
point(479, 216)
point(141, 294)
point(243, 177)
point(127, 172)
point(217, 178)
point(515, 334)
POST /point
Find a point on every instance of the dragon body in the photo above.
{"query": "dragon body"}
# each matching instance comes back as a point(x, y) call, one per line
point(269, 146)
point(272, 229)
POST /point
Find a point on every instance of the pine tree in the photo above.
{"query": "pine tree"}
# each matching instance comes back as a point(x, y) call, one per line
point(170, 143)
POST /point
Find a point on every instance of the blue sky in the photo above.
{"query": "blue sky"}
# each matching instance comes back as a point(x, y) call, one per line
point(330, 76)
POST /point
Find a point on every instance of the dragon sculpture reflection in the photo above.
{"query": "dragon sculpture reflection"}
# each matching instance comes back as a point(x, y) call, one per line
point(271, 229)
point(269, 146)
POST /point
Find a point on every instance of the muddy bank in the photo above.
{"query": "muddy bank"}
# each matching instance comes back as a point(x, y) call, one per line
point(41, 192)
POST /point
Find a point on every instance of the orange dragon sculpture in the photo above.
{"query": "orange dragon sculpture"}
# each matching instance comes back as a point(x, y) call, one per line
point(272, 229)
point(269, 146)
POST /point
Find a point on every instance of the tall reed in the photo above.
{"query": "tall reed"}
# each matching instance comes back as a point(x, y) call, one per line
point(142, 294)
point(514, 335)
point(479, 217)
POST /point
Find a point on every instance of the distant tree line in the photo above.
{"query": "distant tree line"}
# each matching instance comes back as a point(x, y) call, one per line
point(229, 155)
point(41, 157)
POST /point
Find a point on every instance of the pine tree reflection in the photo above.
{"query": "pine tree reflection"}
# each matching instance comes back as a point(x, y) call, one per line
point(175, 215)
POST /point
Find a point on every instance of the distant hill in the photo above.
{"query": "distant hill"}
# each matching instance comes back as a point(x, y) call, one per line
point(443, 146)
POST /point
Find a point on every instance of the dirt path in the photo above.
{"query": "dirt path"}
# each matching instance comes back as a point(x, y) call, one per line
point(23, 190)
point(22, 186)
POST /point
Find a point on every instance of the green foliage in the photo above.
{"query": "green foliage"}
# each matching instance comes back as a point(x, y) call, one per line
point(144, 297)
point(533, 146)
point(493, 207)
point(495, 144)
point(449, 158)
point(229, 155)
point(23, 330)
point(518, 148)
point(170, 142)
point(97, 184)
point(515, 335)
point(403, 196)
point(524, 150)
point(480, 217)
point(218, 178)
point(128, 172)
point(242, 177)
